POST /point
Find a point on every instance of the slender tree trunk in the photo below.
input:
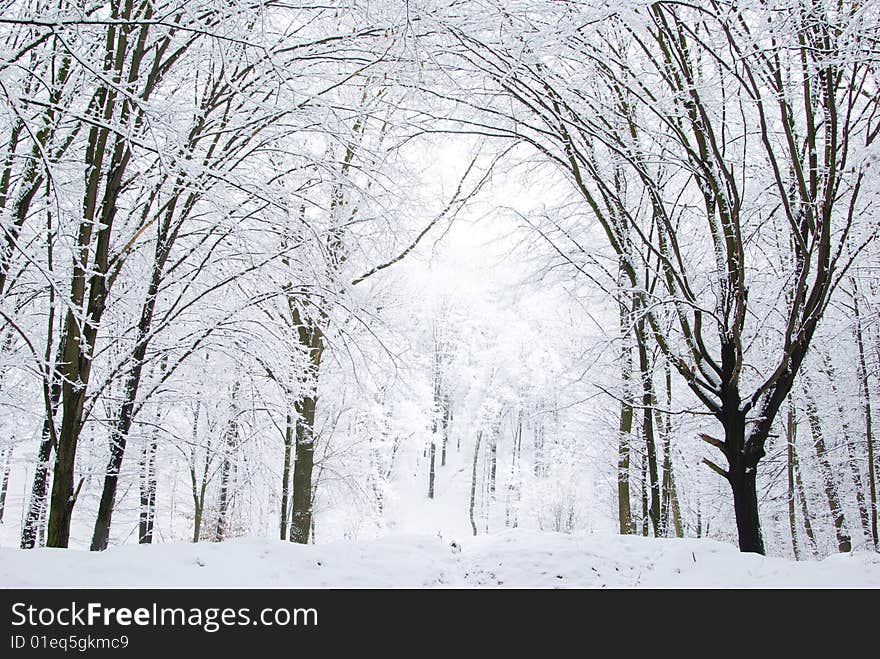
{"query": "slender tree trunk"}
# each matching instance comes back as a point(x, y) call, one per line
point(432, 451)
point(198, 506)
point(223, 501)
point(677, 525)
point(198, 490)
point(539, 446)
point(285, 476)
point(101, 533)
point(39, 502)
point(435, 416)
point(852, 461)
point(790, 434)
point(229, 446)
point(493, 462)
point(148, 490)
point(844, 543)
point(644, 493)
point(699, 530)
point(122, 426)
point(799, 485)
point(624, 510)
point(4, 479)
point(648, 404)
point(869, 429)
point(511, 515)
point(473, 498)
point(445, 421)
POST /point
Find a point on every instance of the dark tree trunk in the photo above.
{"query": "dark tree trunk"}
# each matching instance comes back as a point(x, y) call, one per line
point(39, 502)
point(198, 490)
point(790, 436)
point(223, 500)
point(198, 495)
point(101, 533)
point(742, 477)
point(301, 523)
point(624, 508)
point(869, 429)
point(63, 495)
point(311, 338)
point(127, 411)
point(745, 505)
point(648, 404)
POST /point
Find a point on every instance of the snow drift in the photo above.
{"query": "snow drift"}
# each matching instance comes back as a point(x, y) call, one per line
point(512, 559)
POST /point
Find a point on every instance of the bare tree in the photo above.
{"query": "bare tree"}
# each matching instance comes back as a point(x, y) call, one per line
point(746, 129)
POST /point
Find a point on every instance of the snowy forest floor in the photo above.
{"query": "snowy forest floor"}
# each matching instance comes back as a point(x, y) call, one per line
point(512, 559)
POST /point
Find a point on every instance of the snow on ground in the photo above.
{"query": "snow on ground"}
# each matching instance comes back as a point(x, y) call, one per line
point(523, 559)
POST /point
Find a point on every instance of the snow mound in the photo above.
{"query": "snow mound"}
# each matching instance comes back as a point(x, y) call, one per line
point(513, 559)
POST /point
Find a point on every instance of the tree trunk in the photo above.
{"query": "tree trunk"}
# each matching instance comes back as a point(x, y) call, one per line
point(473, 498)
point(445, 421)
point(127, 410)
point(39, 502)
point(844, 544)
point(852, 461)
point(432, 451)
point(677, 525)
point(4, 480)
point(229, 446)
point(285, 476)
point(198, 490)
point(648, 404)
point(198, 508)
point(624, 510)
point(644, 493)
point(869, 430)
point(101, 533)
point(148, 490)
point(799, 485)
point(539, 446)
point(511, 516)
point(790, 434)
point(301, 523)
point(493, 461)
point(63, 495)
point(742, 477)
point(311, 338)
point(745, 504)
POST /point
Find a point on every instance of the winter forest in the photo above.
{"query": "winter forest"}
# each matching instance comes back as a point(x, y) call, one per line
point(334, 271)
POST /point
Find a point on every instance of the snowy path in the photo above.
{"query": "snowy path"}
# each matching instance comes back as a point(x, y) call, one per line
point(511, 559)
